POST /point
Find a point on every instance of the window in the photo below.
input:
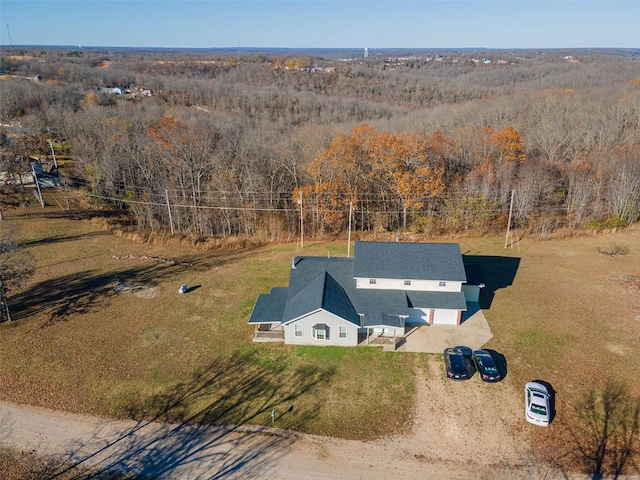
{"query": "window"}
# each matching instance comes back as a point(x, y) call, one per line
point(343, 331)
point(443, 284)
point(321, 332)
point(407, 282)
point(298, 330)
point(372, 281)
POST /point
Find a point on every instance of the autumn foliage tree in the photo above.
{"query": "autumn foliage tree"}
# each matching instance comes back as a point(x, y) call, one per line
point(377, 172)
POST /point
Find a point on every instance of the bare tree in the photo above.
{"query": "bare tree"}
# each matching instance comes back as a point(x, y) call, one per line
point(623, 190)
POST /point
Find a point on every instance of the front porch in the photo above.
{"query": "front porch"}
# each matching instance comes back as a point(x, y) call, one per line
point(388, 342)
point(266, 332)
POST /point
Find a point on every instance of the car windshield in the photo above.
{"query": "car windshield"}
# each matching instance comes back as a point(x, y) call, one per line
point(539, 409)
point(486, 364)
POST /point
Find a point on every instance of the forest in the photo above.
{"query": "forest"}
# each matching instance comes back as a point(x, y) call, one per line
point(265, 145)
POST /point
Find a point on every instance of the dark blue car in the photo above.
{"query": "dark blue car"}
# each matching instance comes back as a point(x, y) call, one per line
point(459, 363)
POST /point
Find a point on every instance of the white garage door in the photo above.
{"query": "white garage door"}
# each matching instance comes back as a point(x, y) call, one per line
point(445, 317)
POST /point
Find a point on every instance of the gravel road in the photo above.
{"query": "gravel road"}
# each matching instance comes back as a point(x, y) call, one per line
point(451, 421)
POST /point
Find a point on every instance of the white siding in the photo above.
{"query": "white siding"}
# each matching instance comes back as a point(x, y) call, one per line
point(321, 317)
point(471, 293)
point(445, 317)
point(416, 285)
point(418, 315)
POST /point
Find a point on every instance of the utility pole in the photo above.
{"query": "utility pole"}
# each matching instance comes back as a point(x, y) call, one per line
point(349, 237)
point(35, 179)
point(10, 42)
point(54, 154)
point(301, 222)
point(506, 239)
point(166, 194)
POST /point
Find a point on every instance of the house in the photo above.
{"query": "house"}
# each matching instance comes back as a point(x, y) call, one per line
point(112, 90)
point(46, 177)
point(385, 288)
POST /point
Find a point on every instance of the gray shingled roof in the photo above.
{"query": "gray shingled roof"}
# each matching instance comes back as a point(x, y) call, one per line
point(382, 320)
point(409, 261)
point(324, 292)
point(446, 300)
point(270, 306)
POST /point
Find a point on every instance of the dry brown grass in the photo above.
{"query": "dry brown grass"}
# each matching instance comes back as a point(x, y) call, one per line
point(566, 314)
point(90, 338)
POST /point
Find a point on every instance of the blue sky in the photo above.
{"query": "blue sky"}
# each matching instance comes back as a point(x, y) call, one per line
point(323, 23)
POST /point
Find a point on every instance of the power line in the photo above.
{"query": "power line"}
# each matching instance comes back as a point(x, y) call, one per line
point(311, 209)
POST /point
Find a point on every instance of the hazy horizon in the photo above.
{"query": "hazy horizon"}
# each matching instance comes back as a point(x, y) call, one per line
point(323, 24)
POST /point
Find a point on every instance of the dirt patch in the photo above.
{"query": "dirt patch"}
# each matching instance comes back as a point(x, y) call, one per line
point(452, 419)
point(136, 289)
point(618, 349)
point(630, 282)
point(153, 259)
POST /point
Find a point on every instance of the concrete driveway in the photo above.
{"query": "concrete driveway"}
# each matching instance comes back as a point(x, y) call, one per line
point(474, 332)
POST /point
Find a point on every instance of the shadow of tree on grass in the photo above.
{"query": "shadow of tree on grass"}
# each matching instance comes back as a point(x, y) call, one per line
point(200, 428)
point(80, 292)
point(605, 432)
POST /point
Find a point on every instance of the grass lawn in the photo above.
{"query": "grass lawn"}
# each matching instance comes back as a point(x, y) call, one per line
point(560, 310)
point(78, 344)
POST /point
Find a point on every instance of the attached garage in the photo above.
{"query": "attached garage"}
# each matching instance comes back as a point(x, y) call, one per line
point(445, 317)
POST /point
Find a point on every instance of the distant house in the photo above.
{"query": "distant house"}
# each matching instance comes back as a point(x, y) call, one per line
point(112, 90)
point(384, 289)
point(46, 177)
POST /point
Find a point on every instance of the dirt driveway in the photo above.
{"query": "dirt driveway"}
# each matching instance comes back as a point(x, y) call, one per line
point(460, 430)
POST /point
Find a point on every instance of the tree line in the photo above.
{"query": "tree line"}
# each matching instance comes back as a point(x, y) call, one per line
point(260, 146)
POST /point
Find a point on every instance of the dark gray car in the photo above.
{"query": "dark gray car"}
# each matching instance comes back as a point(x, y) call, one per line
point(459, 363)
point(487, 369)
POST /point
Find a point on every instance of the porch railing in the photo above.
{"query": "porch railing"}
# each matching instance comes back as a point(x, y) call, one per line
point(268, 336)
